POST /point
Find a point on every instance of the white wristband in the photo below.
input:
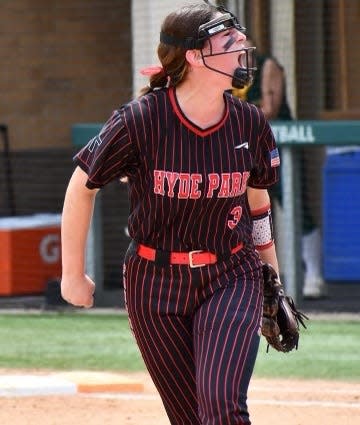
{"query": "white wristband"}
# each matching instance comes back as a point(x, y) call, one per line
point(263, 232)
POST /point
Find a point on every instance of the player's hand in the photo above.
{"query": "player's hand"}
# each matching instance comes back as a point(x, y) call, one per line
point(79, 291)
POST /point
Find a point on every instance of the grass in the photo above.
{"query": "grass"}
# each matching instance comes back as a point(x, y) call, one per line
point(328, 349)
point(68, 341)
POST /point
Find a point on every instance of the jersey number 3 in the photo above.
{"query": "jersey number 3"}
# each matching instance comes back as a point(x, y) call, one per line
point(236, 213)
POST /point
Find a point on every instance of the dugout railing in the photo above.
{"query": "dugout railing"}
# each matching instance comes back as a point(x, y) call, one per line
point(290, 136)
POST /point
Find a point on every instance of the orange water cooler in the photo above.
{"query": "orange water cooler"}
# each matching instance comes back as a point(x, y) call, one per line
point(30, 253)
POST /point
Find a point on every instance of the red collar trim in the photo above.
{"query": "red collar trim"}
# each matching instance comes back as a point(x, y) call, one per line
point(190, 125)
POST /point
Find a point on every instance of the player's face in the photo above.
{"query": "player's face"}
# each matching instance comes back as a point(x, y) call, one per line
point(222, 50)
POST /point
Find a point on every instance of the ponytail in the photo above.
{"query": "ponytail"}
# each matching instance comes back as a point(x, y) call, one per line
point(157, 79)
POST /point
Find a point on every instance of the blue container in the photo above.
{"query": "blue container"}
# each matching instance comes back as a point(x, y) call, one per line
point(341, 217)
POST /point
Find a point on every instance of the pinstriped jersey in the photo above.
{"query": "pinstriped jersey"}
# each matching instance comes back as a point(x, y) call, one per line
point(187, 185)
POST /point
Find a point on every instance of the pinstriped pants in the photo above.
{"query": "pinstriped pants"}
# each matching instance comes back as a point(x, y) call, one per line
point(198, 331)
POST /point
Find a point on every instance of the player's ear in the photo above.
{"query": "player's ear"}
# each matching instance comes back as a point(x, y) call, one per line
point(194, 57)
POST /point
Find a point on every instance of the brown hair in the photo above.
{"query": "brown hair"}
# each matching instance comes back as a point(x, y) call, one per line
point(180, 24)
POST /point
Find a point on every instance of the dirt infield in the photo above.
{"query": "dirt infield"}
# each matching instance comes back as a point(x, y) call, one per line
point(281, 402)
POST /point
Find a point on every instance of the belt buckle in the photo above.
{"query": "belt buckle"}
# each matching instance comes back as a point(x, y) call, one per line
point(191, 261)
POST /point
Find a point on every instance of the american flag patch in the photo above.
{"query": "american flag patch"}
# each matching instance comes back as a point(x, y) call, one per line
point(274, 158)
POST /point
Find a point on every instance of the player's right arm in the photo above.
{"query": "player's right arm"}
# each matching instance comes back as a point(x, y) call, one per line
point(76, 287)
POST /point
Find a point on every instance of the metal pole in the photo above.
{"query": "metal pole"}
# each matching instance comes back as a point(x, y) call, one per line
point(8, 171)
point(94, 249)
point(292, 221)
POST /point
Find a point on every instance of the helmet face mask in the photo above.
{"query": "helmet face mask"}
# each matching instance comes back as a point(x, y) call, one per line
point(243, 75)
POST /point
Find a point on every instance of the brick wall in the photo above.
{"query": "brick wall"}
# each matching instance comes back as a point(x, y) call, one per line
point(61, 62)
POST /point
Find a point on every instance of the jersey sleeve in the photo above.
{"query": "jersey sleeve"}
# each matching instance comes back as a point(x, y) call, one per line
point(266, 170)
point(109, 155)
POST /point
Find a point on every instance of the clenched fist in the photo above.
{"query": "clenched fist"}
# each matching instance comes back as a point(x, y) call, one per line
point(78, 291)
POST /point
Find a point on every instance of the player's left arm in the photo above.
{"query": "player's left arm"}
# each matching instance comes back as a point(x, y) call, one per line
point(263, 233)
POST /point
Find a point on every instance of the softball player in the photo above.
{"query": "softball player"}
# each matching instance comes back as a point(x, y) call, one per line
point(198, 163)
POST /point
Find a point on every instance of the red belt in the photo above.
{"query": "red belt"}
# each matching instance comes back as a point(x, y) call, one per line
point(193, 258)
